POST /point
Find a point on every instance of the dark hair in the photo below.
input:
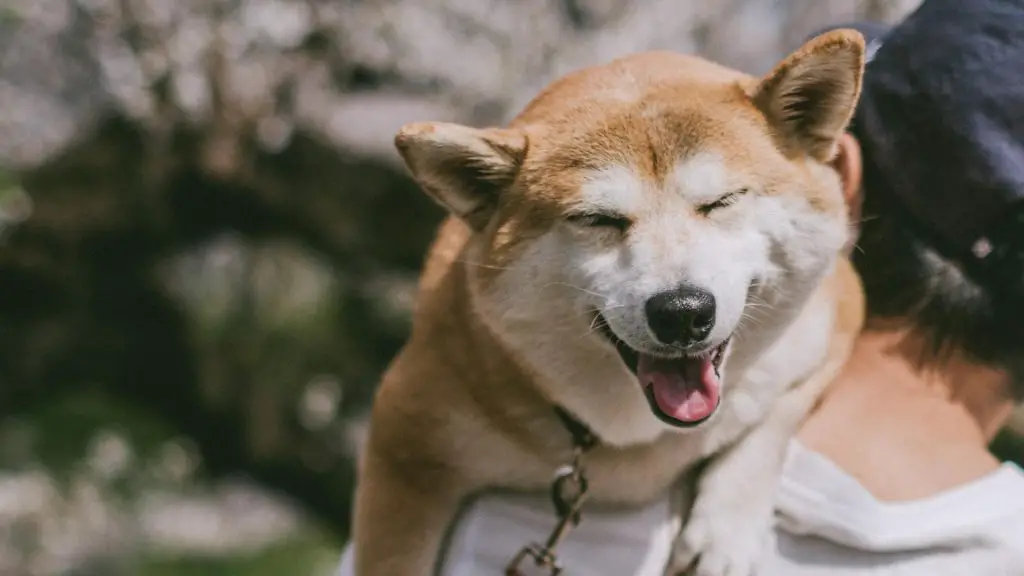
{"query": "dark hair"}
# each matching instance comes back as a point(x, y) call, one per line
point(947, 306)
point(941, 251)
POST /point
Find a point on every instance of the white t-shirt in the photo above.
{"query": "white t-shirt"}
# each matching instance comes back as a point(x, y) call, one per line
point(828, 525)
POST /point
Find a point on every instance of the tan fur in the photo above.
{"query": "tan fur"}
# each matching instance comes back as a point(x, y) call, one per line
point(458, 411)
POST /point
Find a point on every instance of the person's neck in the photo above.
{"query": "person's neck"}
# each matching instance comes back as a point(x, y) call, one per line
point(905, 432)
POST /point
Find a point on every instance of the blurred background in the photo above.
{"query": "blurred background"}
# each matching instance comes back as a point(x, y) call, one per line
point(208, 247)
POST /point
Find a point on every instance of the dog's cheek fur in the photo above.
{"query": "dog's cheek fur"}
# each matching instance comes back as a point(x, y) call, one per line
point(529, 290)
point(523, 277)
point(808, 229)
point(540, 307)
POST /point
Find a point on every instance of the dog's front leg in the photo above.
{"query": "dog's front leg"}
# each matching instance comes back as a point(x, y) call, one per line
point(401, 516)
point(730, 526)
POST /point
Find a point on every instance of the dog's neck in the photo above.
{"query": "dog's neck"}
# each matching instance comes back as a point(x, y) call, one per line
point(501, 385)
point(468, 338)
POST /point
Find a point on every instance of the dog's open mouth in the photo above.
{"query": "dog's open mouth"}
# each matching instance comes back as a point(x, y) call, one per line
point(683, 391)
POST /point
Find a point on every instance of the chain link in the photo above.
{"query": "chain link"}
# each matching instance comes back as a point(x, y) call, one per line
point(568, 492)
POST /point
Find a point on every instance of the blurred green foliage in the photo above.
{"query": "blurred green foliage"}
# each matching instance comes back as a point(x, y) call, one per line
point(308, 555)
point(1009, 446)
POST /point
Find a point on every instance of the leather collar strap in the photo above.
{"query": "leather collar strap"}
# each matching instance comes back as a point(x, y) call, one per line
point(582, 437)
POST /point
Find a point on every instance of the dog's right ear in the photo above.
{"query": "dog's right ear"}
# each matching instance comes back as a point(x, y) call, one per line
point(464, 169)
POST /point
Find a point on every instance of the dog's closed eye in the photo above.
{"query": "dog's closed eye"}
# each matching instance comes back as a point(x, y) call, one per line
point(722, 202)
point(608, 220)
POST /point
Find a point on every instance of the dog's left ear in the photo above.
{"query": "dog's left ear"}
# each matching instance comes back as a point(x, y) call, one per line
point(810, 96)
point(464, 169)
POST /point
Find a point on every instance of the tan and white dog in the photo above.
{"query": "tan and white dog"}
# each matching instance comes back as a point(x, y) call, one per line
point(655, 246)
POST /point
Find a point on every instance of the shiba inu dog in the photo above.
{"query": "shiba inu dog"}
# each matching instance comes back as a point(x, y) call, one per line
point(653, 247)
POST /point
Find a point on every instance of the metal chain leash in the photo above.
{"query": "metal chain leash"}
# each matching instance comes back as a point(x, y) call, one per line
point(569, 491)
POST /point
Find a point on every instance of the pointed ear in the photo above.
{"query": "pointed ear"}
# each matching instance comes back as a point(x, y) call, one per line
point(809, 98)
point(464, 169)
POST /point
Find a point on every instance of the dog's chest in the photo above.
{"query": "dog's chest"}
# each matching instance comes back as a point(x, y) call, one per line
point(639, 475)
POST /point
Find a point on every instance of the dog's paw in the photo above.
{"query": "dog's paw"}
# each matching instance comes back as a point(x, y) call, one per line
point(718, 547)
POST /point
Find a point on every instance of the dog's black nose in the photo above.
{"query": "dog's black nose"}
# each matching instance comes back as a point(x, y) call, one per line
point(682, 316)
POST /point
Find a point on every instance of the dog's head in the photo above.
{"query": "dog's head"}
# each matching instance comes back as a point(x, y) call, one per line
point(641, 218)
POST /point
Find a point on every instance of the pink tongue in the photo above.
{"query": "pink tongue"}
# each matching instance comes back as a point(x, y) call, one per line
point(684, 389)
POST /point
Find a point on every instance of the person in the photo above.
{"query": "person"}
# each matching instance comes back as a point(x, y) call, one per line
point(891, 474)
